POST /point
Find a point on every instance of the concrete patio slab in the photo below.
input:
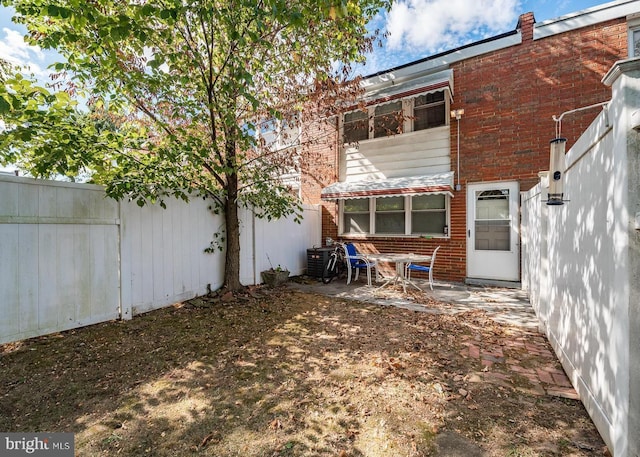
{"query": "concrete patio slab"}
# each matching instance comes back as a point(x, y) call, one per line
point(504, 305)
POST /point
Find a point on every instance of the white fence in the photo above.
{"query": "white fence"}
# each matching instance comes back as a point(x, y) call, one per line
point(70, 256)
point(581, 265)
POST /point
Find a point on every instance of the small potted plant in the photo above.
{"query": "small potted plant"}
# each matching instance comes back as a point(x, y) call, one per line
point(275, 276)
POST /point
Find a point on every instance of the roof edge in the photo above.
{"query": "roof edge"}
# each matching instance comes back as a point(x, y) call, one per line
point(585, 18)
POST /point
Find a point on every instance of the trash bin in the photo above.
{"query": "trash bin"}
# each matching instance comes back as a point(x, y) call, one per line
point(316, 258)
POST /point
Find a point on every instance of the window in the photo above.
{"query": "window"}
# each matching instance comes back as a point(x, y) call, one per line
point(426, 111)
point(634, 49)
point(356, 215)
point(429, 214)
point(280, 134)
point(269, 133)
point(492, 220)
point(281, 137)
point(397, 215)
point(387, 119)
point(429, 111)
point(633, 32)
point(356, 126)
point(390, 215)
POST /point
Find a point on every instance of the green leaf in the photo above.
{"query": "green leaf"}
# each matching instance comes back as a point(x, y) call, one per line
point(53, 10)
point(5, 106)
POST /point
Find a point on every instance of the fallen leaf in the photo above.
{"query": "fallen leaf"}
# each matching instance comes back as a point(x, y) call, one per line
point(275, 424)
point(206, 440)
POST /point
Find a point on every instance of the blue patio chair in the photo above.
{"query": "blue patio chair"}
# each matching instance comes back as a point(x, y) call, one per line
point(423, 268)
point(357, 262)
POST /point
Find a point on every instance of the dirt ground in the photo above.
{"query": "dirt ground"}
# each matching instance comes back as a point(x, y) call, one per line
point(275, 372)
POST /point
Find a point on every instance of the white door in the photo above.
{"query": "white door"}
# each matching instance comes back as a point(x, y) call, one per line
point(492, 231)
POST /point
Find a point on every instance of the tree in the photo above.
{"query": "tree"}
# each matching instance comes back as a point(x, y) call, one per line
point(198, 88)
point(43, 130)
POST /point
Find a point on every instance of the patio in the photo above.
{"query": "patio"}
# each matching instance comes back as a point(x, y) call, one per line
point(507, 306)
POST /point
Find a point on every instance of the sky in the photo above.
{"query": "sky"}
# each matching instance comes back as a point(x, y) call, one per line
point(417, 29)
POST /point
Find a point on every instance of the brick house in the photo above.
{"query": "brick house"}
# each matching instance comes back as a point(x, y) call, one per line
point(408, 175)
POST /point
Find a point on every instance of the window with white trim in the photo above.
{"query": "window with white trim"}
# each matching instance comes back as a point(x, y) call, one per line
point(396, 215)
point(282, 138)
point(633, 32)
point(387, 119)
point(410, 114)
point(280, 134)
point(429, 214)
point(429, 111)
point(356, 126)
point(634, 46)
point(390, 215)
point(356, 215)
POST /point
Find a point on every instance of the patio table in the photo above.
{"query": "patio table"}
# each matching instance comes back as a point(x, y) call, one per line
point(400, 260)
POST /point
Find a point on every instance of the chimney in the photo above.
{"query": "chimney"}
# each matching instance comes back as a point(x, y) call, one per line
point(525, 25)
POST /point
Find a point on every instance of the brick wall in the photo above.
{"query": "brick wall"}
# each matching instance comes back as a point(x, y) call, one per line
point(509, 97)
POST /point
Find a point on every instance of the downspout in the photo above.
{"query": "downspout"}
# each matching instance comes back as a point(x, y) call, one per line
point(457, 114)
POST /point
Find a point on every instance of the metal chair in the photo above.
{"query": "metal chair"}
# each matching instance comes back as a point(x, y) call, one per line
point(358, 262)
point(423, 268)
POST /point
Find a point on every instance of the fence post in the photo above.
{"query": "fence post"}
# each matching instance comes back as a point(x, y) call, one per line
point(124, 266)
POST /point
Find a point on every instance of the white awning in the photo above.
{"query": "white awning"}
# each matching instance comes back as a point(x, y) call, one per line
point(430, 83)
point(437, 183)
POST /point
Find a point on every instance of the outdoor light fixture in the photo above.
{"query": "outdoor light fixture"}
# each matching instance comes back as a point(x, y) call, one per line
point(556, 171)
point(457, 113)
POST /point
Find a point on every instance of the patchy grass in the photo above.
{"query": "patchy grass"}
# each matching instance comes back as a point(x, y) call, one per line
point(283, 373)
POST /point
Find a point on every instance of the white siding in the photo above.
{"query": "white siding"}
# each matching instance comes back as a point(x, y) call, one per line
point(409, 154)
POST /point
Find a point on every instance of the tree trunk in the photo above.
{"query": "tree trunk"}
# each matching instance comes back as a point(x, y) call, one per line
point(232, 256)
point(232, 223)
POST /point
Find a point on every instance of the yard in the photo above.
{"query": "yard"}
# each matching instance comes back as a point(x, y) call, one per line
point(277, 372)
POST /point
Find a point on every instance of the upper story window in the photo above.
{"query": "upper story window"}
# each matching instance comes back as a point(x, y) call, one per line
point(633, 24)
point(281, 137)
point(356, 126)
point(429, 111)
point(407, 115)
point(280, 134)
point(388, 119)
point(634, 48)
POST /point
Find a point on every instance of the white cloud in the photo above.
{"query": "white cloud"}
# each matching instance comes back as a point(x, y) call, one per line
point(14, 49)
point(429, 26)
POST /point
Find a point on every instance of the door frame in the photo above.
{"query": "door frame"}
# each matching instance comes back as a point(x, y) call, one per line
point(494, 265)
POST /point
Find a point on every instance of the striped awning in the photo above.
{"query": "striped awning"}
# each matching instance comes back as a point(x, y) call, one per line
point(437, 183)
